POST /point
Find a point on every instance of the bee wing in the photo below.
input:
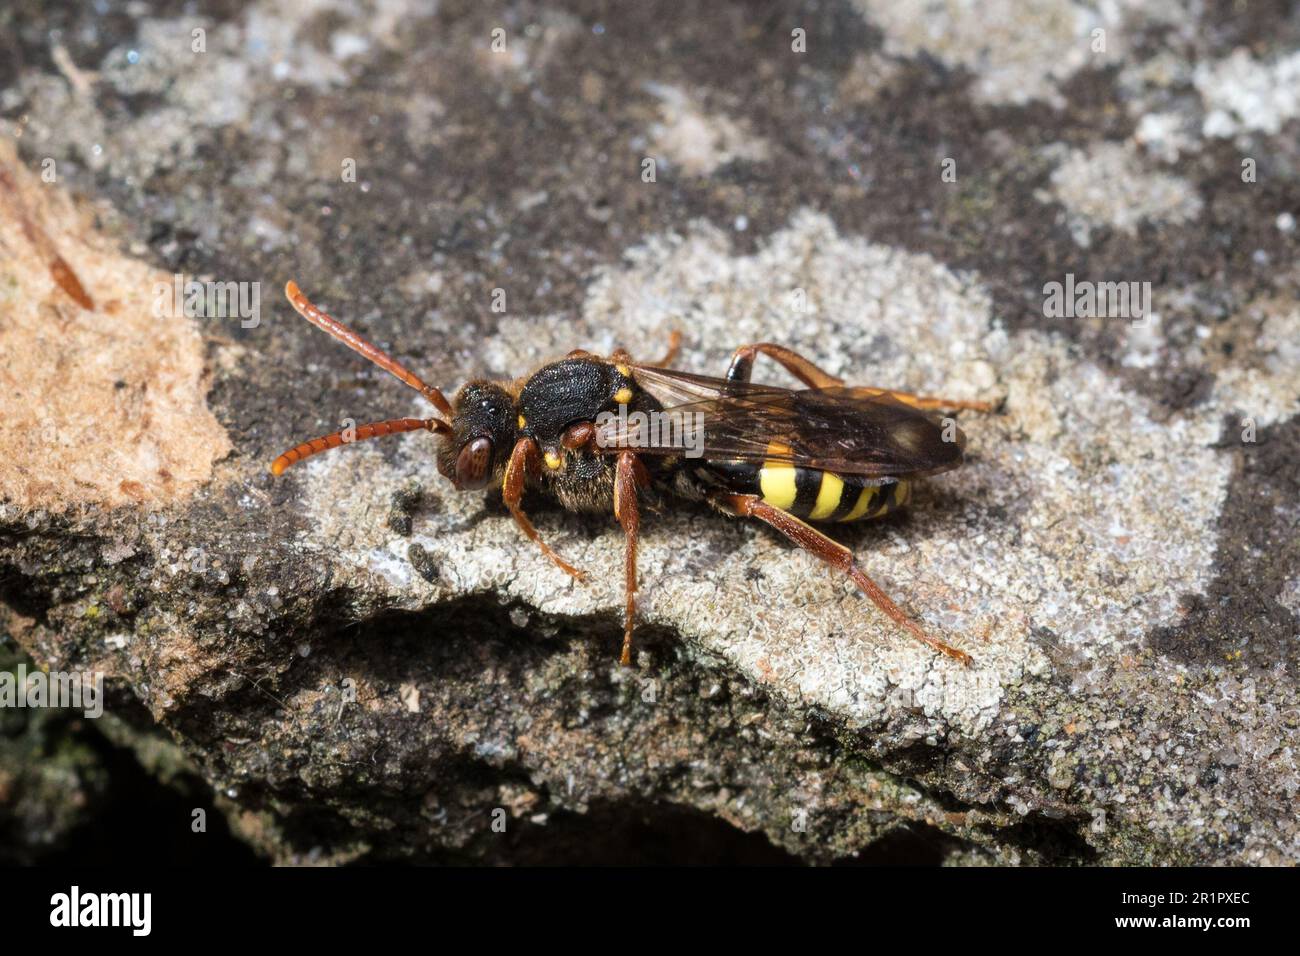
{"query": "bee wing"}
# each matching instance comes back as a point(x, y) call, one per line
point(851, 431)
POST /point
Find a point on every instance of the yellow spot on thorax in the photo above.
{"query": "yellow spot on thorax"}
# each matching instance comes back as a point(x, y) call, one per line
point(523, 422)
point(553, 460)
point(623, 395)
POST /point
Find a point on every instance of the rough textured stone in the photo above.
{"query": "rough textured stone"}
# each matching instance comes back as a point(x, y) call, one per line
point(362, 664)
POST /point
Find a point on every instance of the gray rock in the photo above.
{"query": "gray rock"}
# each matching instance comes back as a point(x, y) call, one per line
point(364, 664)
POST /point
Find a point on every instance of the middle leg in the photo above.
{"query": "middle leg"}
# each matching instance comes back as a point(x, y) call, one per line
point(628, 474)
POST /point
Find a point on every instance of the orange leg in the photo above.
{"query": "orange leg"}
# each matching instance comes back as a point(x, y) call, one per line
point(523, 459)
point(627, 475)
point(674, 346)
point(930, 402)
point(742, 365)
point(837, 556)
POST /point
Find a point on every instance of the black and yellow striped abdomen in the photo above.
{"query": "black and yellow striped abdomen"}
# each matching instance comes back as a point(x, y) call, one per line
point(809, 493)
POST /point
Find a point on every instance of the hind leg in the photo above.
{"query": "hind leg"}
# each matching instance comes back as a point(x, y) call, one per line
point(742, 365)
point(933, 403)
point(838, 557)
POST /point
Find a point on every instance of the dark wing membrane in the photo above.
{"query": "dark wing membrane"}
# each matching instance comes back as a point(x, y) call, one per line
point(851, 431)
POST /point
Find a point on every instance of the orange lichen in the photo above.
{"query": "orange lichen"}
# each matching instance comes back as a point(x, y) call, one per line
point(98, 405)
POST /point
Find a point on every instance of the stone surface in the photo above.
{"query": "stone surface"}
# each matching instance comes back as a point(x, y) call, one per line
point(361, 664)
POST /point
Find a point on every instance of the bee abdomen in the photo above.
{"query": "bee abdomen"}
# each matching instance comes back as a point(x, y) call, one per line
point(811, 493)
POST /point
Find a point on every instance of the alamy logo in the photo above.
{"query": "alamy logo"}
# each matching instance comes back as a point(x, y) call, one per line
point(683, 431)
point(82, 690)
point(209, 300)
point(1092, 300)
point(103, 909)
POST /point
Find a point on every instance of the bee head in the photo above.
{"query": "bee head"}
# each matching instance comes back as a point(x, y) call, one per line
point(482, 434)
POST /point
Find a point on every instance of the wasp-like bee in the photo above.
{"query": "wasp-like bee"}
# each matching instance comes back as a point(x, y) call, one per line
point(602, 434)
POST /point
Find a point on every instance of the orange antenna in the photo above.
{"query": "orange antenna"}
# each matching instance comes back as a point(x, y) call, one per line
point(358, 344)
point(394, 426)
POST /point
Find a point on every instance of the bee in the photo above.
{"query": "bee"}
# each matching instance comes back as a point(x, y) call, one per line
point(602, 434)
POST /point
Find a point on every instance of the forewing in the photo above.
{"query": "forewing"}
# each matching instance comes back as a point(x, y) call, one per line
point(852, 431)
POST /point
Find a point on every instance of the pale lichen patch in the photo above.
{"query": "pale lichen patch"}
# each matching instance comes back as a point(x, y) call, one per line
point(1262, 383)
point(698, 141)
point(1110, 184)
point(1018, 50)
point(1244, 95)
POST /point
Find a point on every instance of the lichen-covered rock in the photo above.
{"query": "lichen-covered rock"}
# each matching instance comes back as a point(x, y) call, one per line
point(364, 664)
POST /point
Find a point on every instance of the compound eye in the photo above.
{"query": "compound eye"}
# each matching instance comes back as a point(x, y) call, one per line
point(474, 464)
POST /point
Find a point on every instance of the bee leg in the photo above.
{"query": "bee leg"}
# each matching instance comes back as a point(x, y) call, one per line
point(930, 402)
point(837, 556)
point(674, 346)
point(742, 365)
point(523, 460)
point(627, 475)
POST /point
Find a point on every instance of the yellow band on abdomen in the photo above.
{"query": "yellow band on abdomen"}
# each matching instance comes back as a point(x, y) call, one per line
point(864, 502)
point(776, 479)
point(776, 482)
point(828, 497)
